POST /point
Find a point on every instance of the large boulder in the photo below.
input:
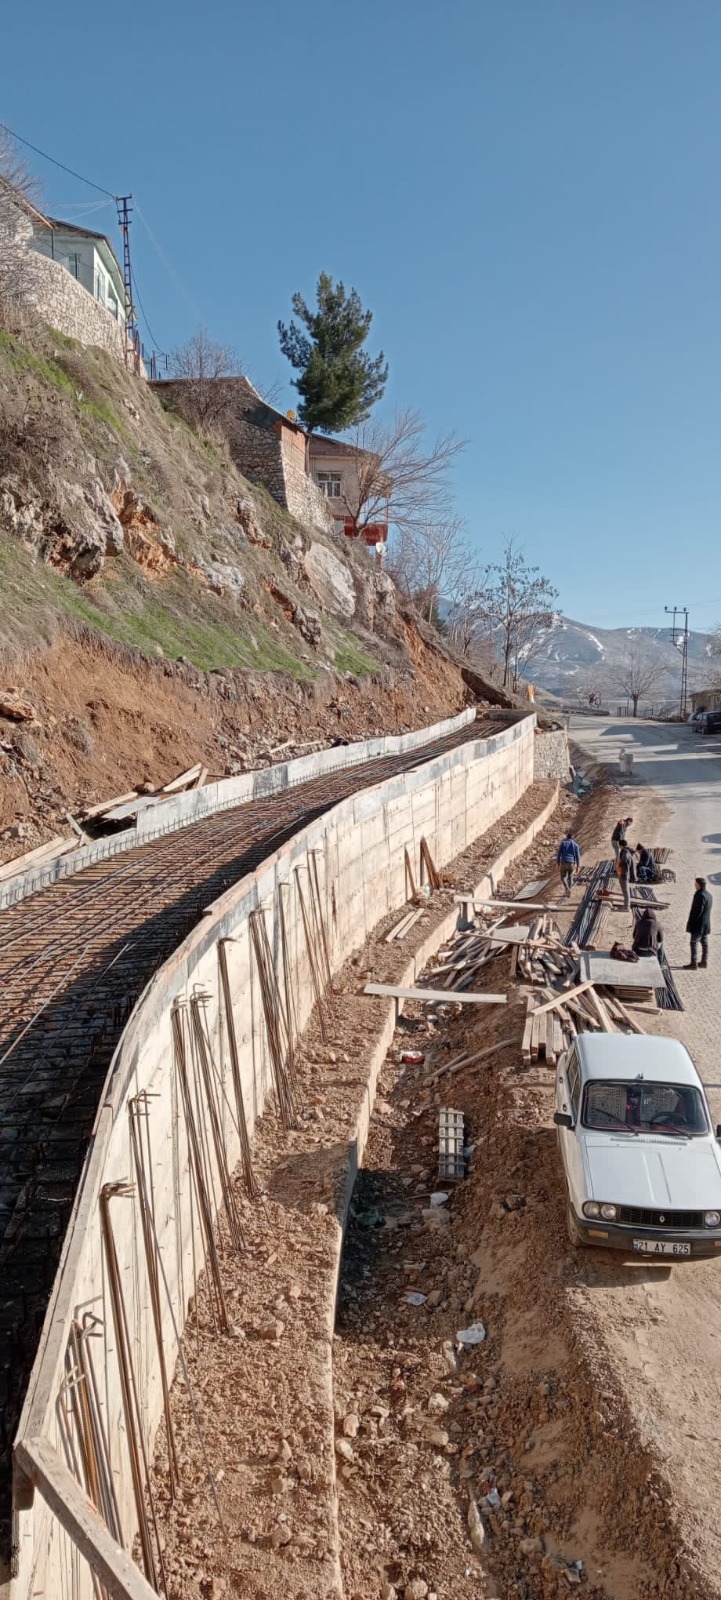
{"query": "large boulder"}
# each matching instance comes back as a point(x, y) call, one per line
point(331, 580)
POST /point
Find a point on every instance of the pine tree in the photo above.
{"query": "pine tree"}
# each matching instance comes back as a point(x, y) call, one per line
point(339, 382)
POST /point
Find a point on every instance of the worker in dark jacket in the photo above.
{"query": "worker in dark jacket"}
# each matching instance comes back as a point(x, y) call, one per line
point(618, 837)
point(568, 857)
point(699, 924)
point(647, 935)
point(626, 869)
point(646, 869)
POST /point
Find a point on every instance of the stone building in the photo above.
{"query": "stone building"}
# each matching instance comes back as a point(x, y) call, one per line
point(69, 275)
point(337, 467)
point(267, 446)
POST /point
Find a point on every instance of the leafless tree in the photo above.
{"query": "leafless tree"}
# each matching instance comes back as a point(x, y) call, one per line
point(18, 190)
point(638, 672)
point(428, 561)
point(516, 603)
point(391, 465)
point(202, 363)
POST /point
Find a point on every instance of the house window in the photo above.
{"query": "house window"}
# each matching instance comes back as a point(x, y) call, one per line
point(329, 484)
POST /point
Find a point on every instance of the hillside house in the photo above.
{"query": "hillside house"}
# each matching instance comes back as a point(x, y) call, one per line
point(68, 274)
point(89, 258)
point(335, 466)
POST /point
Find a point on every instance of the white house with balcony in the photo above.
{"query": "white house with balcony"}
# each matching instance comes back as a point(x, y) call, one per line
point(88, 257)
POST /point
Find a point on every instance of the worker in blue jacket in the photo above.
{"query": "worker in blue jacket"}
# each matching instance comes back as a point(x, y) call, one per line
point(569, 861)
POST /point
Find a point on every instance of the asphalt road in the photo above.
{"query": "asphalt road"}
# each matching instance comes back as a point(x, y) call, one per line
point(661, 1326)
point(684, 770)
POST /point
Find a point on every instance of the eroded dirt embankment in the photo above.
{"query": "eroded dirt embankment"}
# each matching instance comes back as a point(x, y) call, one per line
point(108, 720)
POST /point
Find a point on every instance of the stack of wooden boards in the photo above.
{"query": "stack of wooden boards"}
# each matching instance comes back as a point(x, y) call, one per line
point(553, 1021)
point(543, 957)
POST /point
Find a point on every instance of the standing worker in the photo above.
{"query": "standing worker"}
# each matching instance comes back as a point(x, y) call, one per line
point(699, 924)
point(626, 869)
point(618, 837)
point(569, 860)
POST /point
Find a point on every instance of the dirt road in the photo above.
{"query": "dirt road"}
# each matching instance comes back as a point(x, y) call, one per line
point(662, 1326)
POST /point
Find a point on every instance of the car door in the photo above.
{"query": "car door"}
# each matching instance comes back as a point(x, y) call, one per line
point(568, 1099)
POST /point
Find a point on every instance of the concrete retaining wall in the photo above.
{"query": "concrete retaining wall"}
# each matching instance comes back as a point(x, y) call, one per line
point(157, 816)
point(360, 844)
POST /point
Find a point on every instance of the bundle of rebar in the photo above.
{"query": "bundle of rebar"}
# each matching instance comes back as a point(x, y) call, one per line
point(202, 1183)
point(591, 915)
point(276, 1022)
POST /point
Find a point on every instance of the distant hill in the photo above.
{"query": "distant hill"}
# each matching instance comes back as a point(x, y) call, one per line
point(573, 660)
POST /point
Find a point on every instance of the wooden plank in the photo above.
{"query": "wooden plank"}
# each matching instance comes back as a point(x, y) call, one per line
point(432, 996)
point(412, 920)
point(566, 995)
point(107, 805)
point(183, 780)
point(120, 1577)
point(394, 932)
point(516, 905)
point(469, 1061)
point(40, 856)
point(625, 1016)
point(409, 873)
point(526, 1040)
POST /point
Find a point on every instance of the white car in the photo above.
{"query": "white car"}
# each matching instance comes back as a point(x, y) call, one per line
point(639, 1149)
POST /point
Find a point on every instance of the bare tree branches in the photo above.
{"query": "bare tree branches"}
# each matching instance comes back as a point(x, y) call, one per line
point(428, 563)
point(18, 268)
point(391, 463)
point(638, 673)
point(515, 603)
point(201, 363)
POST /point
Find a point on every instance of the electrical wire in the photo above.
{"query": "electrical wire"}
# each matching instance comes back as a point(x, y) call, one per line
point(99, 186)
point(136, 296)
point(167, 264)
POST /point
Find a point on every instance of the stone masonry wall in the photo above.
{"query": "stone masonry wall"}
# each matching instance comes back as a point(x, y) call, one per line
point(303, 497)
point(550, 755)
point(30, 279)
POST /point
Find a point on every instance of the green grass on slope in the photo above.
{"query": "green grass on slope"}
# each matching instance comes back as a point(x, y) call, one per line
point(348, 658)
point(34, 598)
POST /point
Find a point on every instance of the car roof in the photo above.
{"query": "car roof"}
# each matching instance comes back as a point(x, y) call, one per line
point(619, 1055)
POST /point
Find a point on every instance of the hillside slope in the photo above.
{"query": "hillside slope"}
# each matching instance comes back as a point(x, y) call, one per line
point(573, 659)
point(156, 609)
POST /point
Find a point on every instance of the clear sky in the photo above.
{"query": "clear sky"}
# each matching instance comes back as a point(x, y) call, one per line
point(525, 192)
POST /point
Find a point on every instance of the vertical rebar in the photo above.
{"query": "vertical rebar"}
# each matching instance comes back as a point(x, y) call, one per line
point(251, 1186)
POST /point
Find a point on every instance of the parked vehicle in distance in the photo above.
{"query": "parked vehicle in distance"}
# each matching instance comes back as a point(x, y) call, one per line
point(698, 721)
point(640, 1153)
point(712, 722)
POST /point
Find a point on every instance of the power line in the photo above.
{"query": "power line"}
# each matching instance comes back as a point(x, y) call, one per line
point(99, 186)
point(168, 267)
point(136, 296)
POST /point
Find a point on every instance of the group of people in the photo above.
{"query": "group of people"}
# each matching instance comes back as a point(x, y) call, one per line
point(638, 866)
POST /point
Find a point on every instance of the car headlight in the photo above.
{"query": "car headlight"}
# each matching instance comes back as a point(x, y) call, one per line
point(712, 1219)
point(609, 1213)
point(591, 1208)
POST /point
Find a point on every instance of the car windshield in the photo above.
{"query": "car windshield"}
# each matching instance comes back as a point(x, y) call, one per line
point(636, 1107)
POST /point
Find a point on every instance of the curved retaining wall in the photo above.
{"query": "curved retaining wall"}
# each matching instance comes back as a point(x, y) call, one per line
point(360, 855)
point(157, 816)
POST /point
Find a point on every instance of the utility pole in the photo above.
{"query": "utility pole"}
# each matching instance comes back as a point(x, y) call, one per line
point(124, 204)
point(682, 634)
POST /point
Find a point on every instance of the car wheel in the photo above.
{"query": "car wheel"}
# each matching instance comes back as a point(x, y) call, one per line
point(572, 1229)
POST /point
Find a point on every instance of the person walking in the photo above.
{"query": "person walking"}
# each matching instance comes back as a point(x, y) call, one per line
point(569, 860)
point(699, 925)
point(626, 870)
point(618, 837)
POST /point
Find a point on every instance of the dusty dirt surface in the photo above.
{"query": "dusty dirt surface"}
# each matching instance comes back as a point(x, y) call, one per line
point(107, 721)
point(264, 1395)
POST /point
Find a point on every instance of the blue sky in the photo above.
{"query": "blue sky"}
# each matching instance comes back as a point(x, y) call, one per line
point(525, 192)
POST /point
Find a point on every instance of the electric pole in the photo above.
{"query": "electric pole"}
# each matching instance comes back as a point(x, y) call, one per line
point(124, 205)
point(682, 635)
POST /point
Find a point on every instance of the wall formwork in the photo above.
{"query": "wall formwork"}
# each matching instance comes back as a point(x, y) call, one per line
point(360, 844)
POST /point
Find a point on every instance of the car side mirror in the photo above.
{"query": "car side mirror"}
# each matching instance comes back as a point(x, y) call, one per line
point(562, 1119)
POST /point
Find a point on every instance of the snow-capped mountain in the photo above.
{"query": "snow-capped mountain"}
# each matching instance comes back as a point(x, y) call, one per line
point(572, 660)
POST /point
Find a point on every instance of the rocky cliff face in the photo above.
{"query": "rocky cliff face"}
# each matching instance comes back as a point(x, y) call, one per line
point(156, 609)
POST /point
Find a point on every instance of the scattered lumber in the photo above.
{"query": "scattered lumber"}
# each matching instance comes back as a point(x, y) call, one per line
point(406, 923)
point(461, 1062)
point(515, 905)
point(86, 812)
point(543, 957)
point(184, 780)
point(427, 861)
point(40, 856)
point(433, 996)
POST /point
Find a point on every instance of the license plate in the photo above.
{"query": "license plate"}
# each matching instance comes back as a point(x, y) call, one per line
point(661, 1247)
